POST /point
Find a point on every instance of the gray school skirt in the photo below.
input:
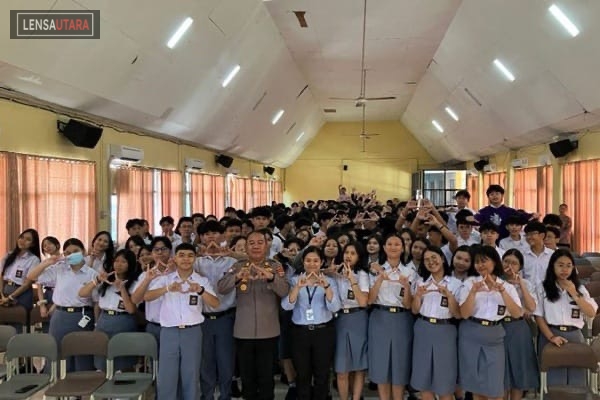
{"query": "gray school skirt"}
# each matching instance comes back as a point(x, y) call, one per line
point(481, 358)
point(435, 358)
point(351, 341)
point(521, 370)
point(564, 376)
point(390, 346)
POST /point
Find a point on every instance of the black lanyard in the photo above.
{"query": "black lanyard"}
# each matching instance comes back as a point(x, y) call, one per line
point(311, 296)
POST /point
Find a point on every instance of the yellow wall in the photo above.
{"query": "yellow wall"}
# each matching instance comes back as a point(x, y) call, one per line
point(589, 149)
point(29, 130)
point(387, 164)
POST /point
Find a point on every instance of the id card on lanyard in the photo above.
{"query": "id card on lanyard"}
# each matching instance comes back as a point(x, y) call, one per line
point(310, 315)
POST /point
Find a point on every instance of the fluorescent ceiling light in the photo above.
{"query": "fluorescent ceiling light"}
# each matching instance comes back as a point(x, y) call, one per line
point(300, 137)
point(564, 21)
point(231, 75)
point(437, 126)
point(452, 113)
point(180, 32)
point(277, 116)
point(504, 70)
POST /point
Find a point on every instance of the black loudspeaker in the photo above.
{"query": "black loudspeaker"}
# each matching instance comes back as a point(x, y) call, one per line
point(268, 170)
point(224, 160)
point(345, 167)
point(563, 147)
point(80, 133)
point(480, 164)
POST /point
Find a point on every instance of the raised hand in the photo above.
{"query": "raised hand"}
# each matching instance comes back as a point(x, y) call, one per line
point(443, 290)
point(175, 287)
point(194, 287)
point(302, 281)
point(119, 284)
point(421, 290)
point(568, 285)
point(479, 286)
point(322, 281)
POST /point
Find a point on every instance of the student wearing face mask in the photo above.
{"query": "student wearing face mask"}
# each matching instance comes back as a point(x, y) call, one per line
point(72, 313)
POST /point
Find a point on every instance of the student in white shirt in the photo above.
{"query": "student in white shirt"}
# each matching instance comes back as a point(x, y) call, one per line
point(552, 237)
point(101, 252)
point(489, 236)
point(184, 294)
point(537, 256)
point(515, 240)
point(562, 303)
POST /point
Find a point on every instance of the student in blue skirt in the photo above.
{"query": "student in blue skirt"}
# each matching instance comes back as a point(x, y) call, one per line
point(484, 302)
point(391, 321)
point(435, 362)
point(562, 302)
point(351, 323)
point(521, 372)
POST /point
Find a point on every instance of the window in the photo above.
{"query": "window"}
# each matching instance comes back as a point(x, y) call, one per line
point(533, 189)
point(440, 186)
point(56, 197)
point(581, 193)
point(207, 194)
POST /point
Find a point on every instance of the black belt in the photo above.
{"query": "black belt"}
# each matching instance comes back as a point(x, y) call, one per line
point(74, 309)
point(484, 322)
point(219, 314)
point(313, 327)
point(11, 283)
point(437, 321)
point(153, 323)
point(113, 312)
point(185, 326)
point(392, 309)
point(351, 310)
point(511, 319)
point(564, 328)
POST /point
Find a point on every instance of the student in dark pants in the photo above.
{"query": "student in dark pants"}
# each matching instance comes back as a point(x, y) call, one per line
point(313, 298)
point(259, 284)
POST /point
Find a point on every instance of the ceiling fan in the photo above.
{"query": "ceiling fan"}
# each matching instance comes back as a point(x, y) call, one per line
point(364, 135)
point(362, 99)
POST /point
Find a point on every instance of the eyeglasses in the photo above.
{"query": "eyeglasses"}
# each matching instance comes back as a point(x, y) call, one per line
point(160, 249)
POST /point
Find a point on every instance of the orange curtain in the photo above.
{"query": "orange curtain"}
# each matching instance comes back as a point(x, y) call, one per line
point(208, 194)
point(533, 189)
point(581, 192)
point(134, 190)
point(55, 197)
point(495, 178)
point(240, 192)
point(277, 192)
point(473, 188)
point(260, 192)
point(171, 192)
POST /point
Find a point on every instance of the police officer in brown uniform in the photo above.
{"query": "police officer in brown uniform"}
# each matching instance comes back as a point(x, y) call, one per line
point(259, 283)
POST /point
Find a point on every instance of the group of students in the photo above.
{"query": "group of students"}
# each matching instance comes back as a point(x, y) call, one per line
point(406, 300)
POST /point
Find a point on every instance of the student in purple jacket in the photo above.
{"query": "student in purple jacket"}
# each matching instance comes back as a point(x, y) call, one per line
point(497, 213)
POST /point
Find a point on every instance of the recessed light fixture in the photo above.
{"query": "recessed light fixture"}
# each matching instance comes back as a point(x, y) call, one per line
point(564, 20)
point(277, 117)
point(179, 32)
point(231, 75)
point(299, 137)
point(437, 126)
point(504, 70)
point(452, 113)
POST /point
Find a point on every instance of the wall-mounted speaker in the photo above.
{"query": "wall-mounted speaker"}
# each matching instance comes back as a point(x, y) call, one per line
point(563, 147)
point(80, 133)
point(268, 170)
point(224, 160)
point(479, 165)
point(345, 167)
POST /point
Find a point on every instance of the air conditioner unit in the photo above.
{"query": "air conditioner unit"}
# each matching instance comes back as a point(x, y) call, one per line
point(519, 163)
point(489, 168)
point(193, 163)
point(120, 152)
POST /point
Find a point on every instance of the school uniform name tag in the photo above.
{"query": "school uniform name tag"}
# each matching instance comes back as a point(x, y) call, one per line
point(444, 301)
point(121, 305)
point(501, 310)
point(84, 321)
point(351, 295)
point(19, 273)
point(193, 300)
point(575, 313)
point(310, 315)
point(402, 292)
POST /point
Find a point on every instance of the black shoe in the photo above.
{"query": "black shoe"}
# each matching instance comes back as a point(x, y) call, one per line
point(334, 383)
point(372, 386)
point(292, 393)
point(468, 396)
point(283, 379)
point(235, 390)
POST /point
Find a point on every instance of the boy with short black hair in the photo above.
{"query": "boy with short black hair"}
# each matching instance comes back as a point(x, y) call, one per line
point(489, 236)
point(497, 213)
point(552, 237)
point(537, 257)
point(515, 240)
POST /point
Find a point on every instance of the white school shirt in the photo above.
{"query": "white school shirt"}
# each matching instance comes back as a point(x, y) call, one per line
point(433, 304)
point(68, 283)
point(112, 299)
point(345, 289)
point(18, 270)
point(392, 293)
point(181, 308)
point(151, 308)
point(215, 268)
point(565, 310)
point(447, 252)
point(411, 265)
point(534, 267)
point(470, 241)
point(489, 304)
point(508, 243)
point(98, 264)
